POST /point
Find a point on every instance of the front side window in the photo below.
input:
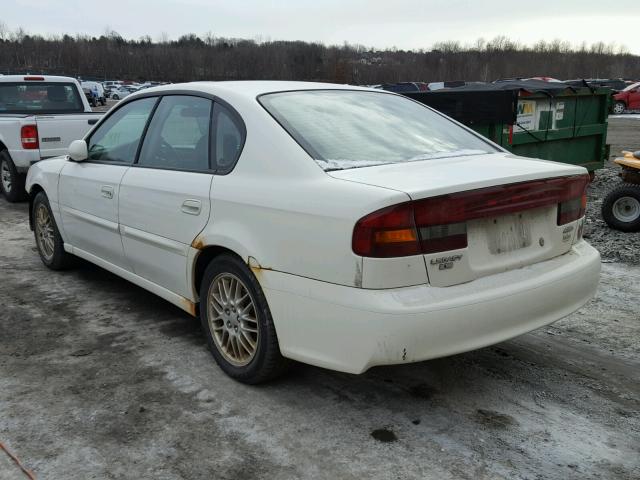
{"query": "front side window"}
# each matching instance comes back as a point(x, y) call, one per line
point(118, 137)
point(348, 129)
point(178, 135)
point(40, 97)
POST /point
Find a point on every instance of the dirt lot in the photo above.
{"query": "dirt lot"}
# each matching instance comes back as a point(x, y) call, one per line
point(100, 379)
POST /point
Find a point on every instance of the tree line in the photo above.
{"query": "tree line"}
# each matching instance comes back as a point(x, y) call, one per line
point(192, 57)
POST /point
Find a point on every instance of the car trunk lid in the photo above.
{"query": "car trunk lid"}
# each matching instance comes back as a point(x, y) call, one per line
point(480, 215)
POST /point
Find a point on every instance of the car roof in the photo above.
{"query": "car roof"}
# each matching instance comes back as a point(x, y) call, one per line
point(253, 88)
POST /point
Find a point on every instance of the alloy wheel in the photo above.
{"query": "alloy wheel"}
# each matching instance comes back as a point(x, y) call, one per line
point(45, 234)
point(233, 320)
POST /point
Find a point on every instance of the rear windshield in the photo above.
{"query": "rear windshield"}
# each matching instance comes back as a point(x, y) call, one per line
point(40, 97)
point(347, 129)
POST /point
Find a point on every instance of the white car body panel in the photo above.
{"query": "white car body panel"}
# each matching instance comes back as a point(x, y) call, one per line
point(292, 223)
point(89, 212)
point(161, 212)
point(441, 176)
point(353, 329)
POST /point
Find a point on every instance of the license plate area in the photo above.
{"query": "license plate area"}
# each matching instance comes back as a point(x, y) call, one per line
point(509, 233)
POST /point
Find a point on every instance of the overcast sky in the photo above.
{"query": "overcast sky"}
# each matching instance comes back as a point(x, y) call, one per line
point(406, 24)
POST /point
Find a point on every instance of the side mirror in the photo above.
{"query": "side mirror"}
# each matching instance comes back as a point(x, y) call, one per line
point(78, 151)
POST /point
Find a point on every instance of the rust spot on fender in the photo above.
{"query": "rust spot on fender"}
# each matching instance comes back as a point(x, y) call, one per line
point(256, 268)
point(198, 243)
point(188, 306)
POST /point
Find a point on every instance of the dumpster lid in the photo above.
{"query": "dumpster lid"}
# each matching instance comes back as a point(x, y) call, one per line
point(532, 86)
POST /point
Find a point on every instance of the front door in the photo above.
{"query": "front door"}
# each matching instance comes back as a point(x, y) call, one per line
point(88, 190)
point(164, 198)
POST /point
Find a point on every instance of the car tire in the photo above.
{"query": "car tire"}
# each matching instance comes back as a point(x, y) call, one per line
point(115, 97)
point(621, 208)
point(619, 108)
point(11, 181)
point(48, 240)
point(237, 322)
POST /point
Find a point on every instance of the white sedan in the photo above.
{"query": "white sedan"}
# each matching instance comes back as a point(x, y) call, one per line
point(339, 226)
point(120, 93)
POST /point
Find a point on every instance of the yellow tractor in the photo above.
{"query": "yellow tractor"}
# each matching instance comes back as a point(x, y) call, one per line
point(621, 206)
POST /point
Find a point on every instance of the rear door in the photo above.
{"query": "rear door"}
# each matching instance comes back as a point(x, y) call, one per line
point(88, 190)
point(164, 197)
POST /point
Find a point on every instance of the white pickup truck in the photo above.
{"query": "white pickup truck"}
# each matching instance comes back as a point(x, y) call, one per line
point(39, 117)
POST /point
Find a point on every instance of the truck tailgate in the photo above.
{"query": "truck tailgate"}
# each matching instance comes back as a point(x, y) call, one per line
point(56, 132)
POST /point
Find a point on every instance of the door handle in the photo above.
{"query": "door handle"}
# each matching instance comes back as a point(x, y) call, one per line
point(106, 191)
point(191, 207)
point(92, 121)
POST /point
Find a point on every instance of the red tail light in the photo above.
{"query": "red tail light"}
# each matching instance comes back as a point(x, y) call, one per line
point(33, 79)
point(438, 224)
point(390, 232)
point(29, 137)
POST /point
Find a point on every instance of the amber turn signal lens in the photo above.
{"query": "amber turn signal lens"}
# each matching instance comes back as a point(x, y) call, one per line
point(395, 236)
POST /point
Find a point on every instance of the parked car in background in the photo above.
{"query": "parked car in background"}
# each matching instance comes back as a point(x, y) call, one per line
point(39, 117)
point(338, 226)
point(120, 93)
point(111, 83)
point(90, 96)
point(97, 92)
point(627, 99)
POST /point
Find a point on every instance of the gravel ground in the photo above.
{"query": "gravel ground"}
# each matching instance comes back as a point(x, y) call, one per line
point(101, 379)
point(624, 134)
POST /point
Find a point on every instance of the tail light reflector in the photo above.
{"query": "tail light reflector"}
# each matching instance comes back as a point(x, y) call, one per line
point(572, 210)
point(438, 224)
point(29, 137)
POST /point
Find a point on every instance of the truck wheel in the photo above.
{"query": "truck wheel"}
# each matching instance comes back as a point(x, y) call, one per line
point(621, 208)
point(48, 239)
point(619, 108)
point(237, 322)
point(11, 182)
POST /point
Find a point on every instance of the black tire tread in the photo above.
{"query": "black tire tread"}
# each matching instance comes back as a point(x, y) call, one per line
point(268, 363)
point(623, 190)
point(17, 193)
point(61, 259)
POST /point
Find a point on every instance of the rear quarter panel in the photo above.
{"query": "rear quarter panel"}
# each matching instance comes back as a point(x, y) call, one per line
point(298, 227)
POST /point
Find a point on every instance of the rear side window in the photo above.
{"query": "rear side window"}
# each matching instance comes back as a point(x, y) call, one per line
point(178, 135)
point(40, 97)
point(228, 139)
point(118, 137)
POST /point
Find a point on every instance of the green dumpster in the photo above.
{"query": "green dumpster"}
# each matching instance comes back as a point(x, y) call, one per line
point(533, 118)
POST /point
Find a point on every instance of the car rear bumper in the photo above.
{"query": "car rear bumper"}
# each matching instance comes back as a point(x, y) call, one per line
point(352, 329)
